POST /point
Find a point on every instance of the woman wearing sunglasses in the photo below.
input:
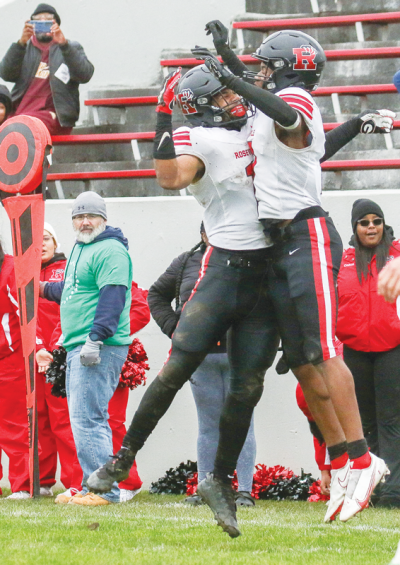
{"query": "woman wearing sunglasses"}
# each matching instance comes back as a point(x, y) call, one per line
point(369, 328)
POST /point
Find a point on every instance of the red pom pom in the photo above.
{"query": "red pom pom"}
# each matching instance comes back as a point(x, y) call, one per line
point(191, 485)
point(133, 370)
point(264, 477)
point(316, 495)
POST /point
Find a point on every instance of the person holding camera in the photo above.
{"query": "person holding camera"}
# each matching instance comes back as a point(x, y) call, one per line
point(47, 69)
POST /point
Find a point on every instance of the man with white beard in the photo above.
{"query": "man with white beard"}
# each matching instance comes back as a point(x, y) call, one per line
point(95, 299)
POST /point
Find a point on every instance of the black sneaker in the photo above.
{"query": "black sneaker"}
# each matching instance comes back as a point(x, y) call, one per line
point(220, 498)
point(244, 498)
point(193, 500)
point(116, 469)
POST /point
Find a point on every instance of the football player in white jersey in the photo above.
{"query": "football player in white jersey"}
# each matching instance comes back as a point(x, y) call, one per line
point(213, 159)
point(288, 143)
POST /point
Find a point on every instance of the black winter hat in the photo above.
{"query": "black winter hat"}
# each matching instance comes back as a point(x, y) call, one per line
point(5, 98)
point(361, 208)
point(47, 8)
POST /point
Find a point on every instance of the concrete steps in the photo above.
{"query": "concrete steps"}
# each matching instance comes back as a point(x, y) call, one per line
point(118, 156)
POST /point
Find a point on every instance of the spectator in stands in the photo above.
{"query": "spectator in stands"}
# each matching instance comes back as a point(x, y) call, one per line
point(210, 381)
point(5, 103)
point(54, 425)
point(47, 69)
point(370, 331)
point(95, 302)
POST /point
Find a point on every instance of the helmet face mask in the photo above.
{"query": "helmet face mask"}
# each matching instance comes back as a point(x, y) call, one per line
point(295, 58)
point(196, 97)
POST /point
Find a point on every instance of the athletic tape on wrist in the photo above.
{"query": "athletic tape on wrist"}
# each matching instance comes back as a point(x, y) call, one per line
point(163, 147)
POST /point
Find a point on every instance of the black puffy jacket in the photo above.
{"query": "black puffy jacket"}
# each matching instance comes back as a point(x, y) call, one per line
point(163, 292)
point(20, 64)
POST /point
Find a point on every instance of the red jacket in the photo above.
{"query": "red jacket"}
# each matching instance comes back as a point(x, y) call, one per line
point(49, 312)
point(10, 333)
point(365, 321)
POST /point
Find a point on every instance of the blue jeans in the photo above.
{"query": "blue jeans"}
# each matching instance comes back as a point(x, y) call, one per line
point(89, 390)
point(210, 386)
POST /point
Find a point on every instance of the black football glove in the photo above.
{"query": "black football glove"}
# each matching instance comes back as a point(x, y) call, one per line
point(212, 63)
point(378, 121)
point(220, 33)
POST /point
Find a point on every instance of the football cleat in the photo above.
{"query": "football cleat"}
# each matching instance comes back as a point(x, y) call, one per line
point(339, 482)
point(220, 498)
point(116, 469)
point(361, 485)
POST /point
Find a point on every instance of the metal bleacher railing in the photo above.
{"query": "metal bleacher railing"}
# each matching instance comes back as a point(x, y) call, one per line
point(263, 26)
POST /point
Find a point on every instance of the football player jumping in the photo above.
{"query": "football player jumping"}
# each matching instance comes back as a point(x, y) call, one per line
point(288, 142)
point(213, 159)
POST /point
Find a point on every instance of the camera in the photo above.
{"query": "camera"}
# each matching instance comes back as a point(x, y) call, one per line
point(42, 26)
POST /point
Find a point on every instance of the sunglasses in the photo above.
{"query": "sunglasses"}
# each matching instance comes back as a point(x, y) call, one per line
point(365, 223)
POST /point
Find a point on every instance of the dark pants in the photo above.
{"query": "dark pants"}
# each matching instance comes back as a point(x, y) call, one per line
point(228, 294)
point(302, 287)
point(377, 382)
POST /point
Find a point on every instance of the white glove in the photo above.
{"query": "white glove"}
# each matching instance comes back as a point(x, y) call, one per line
point(90, 353)
point(380, 121)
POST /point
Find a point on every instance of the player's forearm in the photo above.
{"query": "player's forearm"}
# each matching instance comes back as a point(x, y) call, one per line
point(231, 60)
point(168, 176)
point(269, 104)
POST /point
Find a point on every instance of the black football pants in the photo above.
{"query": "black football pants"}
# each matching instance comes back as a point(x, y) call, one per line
point(228, 295)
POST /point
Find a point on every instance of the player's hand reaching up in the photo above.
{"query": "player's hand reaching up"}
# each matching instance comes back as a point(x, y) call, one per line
point(219, 33)
point(378, 121)
point(167, 94)
point(212, 63)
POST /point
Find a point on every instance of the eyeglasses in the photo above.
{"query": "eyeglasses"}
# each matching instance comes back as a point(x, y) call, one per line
point(81, 217)
point(365, 223)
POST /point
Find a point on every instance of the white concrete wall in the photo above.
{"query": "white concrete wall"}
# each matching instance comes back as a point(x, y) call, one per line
point(124, 38)
point(158, 230)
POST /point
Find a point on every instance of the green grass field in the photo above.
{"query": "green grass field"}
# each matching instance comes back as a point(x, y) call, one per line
point(159, 530)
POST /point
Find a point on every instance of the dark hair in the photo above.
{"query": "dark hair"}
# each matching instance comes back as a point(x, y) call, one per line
point(365, 254)
point(201, 245)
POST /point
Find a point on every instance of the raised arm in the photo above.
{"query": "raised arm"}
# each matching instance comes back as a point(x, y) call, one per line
point(172, 172)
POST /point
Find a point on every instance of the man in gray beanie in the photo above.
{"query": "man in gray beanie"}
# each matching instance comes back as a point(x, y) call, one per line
point(95, 299)
point(47, 69)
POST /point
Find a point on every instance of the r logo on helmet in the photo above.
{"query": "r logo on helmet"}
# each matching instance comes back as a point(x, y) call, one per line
point(184, 99)
point(305, 57)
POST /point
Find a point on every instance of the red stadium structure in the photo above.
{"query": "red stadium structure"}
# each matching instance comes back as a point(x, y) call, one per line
point(25, 144)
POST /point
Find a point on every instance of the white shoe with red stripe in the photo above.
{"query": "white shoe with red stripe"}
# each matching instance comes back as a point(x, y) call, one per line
point(339, 482)
point(361, 485)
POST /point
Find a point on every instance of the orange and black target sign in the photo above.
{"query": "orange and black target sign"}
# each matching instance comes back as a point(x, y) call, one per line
point(23, 143)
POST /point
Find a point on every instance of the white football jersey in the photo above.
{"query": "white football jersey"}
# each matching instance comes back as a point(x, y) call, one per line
point(226, 189)
point(287, 180)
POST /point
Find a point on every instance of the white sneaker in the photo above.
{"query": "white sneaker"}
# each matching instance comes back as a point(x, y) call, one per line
point(46, 491)
point(396, 558)
point(361, 485)
point(339, 482)
point(20, 495)
point(126, 495)
point(65, 497)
